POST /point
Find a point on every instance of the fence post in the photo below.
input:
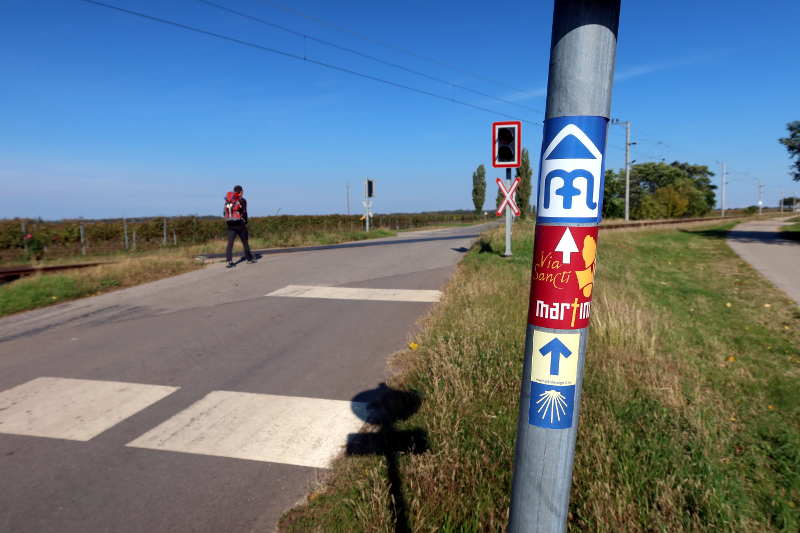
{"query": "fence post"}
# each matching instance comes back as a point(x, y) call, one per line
point(164, 240)
point(133, 248)
point(174, 238)
point(83, 239)
point(125, 231)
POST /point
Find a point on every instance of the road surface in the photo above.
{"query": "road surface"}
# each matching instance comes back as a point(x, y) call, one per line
point(206, 402)
point(760, 243)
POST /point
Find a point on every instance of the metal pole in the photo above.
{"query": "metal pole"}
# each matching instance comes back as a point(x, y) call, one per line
point(582, 56)
point(366, 204)
point(164, 239)
point(125, 232)
point(509, 217)
point(722, 191)
point(83, 239)
point(627, 169)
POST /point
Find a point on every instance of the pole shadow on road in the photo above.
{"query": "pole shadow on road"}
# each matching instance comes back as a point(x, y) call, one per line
point(385, 407)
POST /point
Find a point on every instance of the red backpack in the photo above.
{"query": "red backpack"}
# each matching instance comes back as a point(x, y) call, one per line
point(233, 207)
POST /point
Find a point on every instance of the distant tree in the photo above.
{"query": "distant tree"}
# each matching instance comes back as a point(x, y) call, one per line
point(524, 189)
point(701, 177)
point(479, 188)
point(792, 144)
point(614, 194)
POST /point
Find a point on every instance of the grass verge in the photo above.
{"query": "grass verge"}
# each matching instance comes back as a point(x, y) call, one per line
point(690, 415)
point(47, 289)
point(792, 231)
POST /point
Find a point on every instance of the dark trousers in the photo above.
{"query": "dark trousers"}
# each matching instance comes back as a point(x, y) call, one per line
point(241, 231)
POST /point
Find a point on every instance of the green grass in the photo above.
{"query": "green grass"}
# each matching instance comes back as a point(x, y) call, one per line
point(792, 230)
point(37, 292)
point(690, 419)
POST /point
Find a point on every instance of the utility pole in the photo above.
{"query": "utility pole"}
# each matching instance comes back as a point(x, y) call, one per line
point(780, 200)
point(628, 144)
point(582, 56)
point(760, 195)
point(722, 191)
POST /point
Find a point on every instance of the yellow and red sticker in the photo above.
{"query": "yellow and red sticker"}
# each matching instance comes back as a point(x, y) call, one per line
point(563, 276)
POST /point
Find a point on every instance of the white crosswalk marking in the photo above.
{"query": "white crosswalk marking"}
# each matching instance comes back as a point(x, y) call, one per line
point(358, 293)
point(73, 409)
point(259, 427)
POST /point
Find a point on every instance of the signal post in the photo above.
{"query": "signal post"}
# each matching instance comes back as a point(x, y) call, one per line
point(569, 207)
point(507, 153)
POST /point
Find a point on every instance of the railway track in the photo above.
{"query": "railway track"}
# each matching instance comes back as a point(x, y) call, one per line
point(12, 273)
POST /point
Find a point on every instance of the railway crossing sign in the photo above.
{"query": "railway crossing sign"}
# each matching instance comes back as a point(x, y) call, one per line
point(509, 197)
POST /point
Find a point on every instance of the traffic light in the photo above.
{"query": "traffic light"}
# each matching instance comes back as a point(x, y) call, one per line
point(370, 188)
point(507, 143)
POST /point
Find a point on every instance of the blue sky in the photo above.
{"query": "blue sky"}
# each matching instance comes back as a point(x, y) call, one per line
point(108, 115)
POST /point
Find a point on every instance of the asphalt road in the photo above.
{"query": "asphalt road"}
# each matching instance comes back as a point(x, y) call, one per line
point(760, 243)
point(200, 403)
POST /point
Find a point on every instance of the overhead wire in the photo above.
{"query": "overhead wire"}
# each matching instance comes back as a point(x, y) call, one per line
point(342, 29)
point(301, 58)
point(362, 54)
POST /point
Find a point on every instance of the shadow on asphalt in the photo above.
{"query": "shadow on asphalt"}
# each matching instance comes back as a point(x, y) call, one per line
point(361, 244)
point(385, 407)
point(767, 237)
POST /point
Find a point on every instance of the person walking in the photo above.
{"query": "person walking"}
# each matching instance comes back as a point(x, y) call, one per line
point(235, 214)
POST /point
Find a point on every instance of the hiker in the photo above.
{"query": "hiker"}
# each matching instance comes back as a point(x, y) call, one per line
point(235, 214)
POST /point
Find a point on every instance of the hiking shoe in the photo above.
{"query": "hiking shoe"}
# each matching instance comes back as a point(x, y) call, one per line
point(251, 261)
point(230, 265)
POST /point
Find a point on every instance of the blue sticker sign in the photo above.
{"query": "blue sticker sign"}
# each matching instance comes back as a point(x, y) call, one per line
point(571, 169)
point(554, 373)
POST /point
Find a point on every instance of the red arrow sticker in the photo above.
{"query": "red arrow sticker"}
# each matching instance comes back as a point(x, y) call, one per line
point(563, 276)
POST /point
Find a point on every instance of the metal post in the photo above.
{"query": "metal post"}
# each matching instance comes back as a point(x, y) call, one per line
point(582, 56)
point(627, 169)
point(83, 239)
point(722, 191)
point(366, 204)
point(164, 239)
point(125, 232)
point(174, 238)
point(509, 217)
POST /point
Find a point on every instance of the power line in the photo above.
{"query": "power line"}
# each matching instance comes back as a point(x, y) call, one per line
point(301, 58)
point(363, 37)
point(361, 54)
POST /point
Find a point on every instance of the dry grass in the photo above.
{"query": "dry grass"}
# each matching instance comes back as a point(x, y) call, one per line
point(690, 418)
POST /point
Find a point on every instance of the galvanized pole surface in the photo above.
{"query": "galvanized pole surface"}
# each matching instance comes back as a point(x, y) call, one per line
point(627, 170)
point(569, 206)
point(509, 217)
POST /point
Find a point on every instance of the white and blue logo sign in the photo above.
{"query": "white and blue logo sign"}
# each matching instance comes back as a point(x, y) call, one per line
point(571, 169)
point(554, 374)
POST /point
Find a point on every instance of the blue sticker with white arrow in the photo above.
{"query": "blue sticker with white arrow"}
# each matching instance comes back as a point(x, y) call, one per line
point(554, 372)
point(572, 169)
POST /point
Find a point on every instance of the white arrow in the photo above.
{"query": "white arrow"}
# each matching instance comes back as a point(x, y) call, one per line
point(566, 246)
